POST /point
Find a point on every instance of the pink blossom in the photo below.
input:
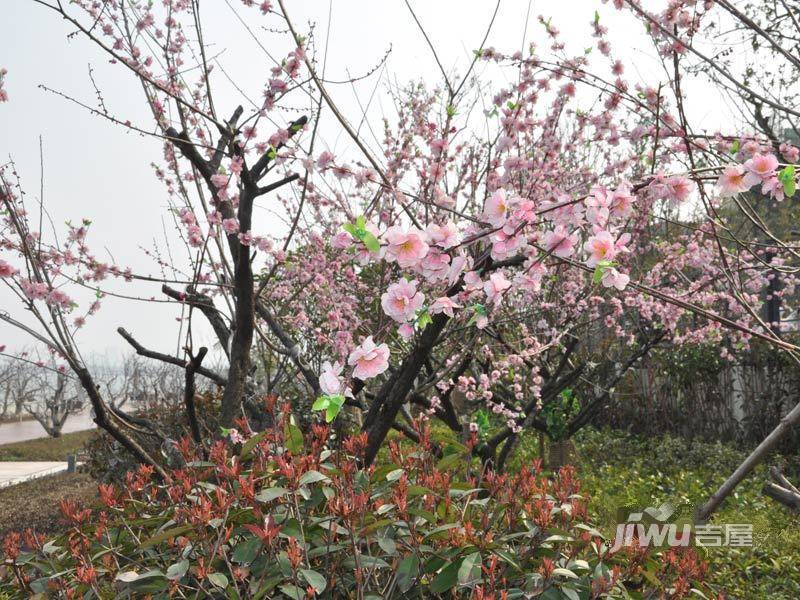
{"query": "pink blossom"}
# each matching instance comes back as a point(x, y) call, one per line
point(231, 226)
point(6, 270)
point(368, 359)
point(679, 188)
point(342, 240)
point(330, 380)
point(496, 209)
point(613, 278)
point(445, 305)
point(790, 153)
point(220, 180)
point(34, 290)
point(560, 242)
point(732, 181)
point(405, 331)
point(402, 300)
point(405, 247)
point(59, 298)
point(440, 198)
point(324, 159)
point(495, 286)
point(3, 93)
point(600, 247)
point(762, 166)
point(445, 236)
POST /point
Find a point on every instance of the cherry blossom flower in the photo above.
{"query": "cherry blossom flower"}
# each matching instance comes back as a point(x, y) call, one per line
point(342, 240)
point(495, 286)
point(6, 270)
point(613, 278)
point(34, 290)
point(440, 198)
point(402, 300)
point(231, 226)
point(3, 93)
point(445, 236)
point(679, 188)
point(732, 181)
point(761, 167)
point(330, 380)
point(560, 242)
point(445, 305)
point(600, 247)
point(368, 359)
point(407, 248)
point(497, 208)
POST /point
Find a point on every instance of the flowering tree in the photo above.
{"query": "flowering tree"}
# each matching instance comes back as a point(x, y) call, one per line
point(481, 264)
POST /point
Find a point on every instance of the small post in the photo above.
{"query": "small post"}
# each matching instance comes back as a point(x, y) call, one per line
point(71, 463)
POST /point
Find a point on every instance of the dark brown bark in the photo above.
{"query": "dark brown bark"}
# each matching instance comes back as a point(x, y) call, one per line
point(188, 395)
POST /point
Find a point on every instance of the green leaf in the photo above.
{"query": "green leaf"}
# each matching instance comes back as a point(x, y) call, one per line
point(321, 403)
point(451, 110)
point(293, 591)
point(335, 404)
point(787, 177)
point(219, 580)
point(166, 534)
point(601, 268)
point(293, 438)
point(565, 573)
point(178, 570)
point(246, 551)
point(735, 147)
point(469, 573)
point(447, 578)
point(314, 579)
point(269, 494)
point(424, 318)
point(407, 572)
point(351, 229)
point(371, 242)
point(248, 446)
point(312, 477)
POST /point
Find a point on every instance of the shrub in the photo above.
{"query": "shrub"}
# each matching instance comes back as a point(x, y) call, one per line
point(280, 514)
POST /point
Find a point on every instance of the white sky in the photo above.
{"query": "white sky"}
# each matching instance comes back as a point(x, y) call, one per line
point(96, 169)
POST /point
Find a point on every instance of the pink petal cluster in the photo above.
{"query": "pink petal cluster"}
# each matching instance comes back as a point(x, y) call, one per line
point(406, 248)
point(231, 226)
point(560, 242)
point(330, 380)
point(401, 301)
point(368, 359)
point(495, 286)
point(600, 247)
point(444, 305)
point(6, 270)
point(613, 278)
point(497, 208)
point(732, 181)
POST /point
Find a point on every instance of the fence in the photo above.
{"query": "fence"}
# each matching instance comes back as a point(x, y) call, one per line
point(707, 398)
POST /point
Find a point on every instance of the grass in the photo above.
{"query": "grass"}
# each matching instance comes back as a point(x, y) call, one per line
point(46, 448)
point(34, 503)
point(620, 470)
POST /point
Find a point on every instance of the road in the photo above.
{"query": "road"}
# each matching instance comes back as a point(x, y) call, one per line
point(21, 431)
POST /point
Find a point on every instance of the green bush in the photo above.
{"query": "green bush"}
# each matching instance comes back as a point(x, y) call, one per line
point(285, 515)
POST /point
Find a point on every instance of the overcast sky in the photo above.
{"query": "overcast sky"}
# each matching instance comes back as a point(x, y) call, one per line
point(96, 169)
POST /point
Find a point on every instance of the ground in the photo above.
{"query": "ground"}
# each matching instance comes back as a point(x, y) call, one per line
point(46, 448)
point(35, 503)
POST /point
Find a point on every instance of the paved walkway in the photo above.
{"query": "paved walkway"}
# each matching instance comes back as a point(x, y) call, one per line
point(21, 431)
point(12, 473)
